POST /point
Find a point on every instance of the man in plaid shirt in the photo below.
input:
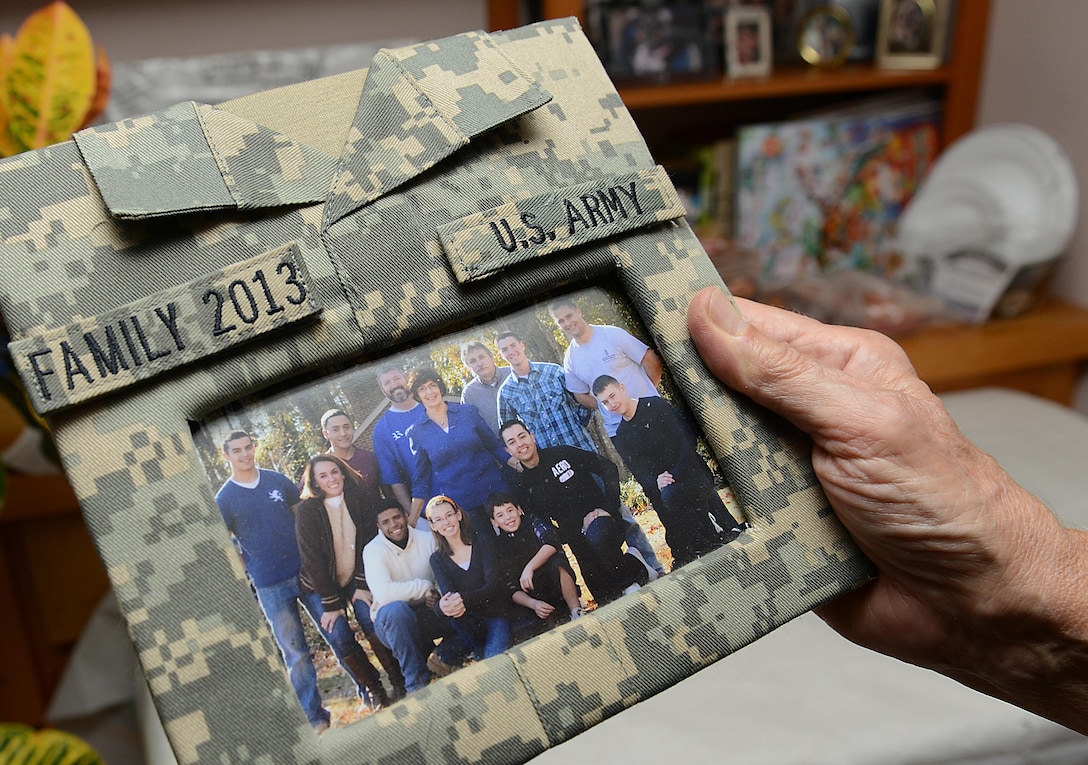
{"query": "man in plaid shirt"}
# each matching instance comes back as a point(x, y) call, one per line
point(536, 394)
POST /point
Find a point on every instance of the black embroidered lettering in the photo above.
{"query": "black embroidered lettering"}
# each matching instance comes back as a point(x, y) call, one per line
point(612, 204)
point(247, 316)
point(131, 345)
point(273, 306)
point(110, 362)
point(293, 280)
point(573, 215)
point(171, 322)
point(632, 195)
point(510, 243)
point(219, 328)
point(593, 209)
point(73, 366)
point(529, 220)
point(40, 373)
point(142, 337)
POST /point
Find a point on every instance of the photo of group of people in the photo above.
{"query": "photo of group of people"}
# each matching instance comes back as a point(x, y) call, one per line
point(404, 517)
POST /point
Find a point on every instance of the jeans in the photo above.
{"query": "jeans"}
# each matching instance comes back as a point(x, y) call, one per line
point(605, 567)
point(485, 636)
point(685, 513)
point(341, 638)
point(409, 631)
point(280, 605)
point(637, 538)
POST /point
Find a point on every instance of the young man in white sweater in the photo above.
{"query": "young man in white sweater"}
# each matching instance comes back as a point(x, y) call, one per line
point(398, 569)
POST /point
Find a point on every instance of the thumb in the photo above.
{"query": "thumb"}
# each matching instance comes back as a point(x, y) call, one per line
point(770, 371)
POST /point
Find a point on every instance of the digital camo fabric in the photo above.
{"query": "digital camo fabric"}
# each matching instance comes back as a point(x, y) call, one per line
point(443, 132)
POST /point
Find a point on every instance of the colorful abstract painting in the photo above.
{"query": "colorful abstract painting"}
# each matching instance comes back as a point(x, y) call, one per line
point(825, 194)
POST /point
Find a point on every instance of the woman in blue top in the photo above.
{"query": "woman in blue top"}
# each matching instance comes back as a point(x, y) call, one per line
point(465, 569)
point(457, 454)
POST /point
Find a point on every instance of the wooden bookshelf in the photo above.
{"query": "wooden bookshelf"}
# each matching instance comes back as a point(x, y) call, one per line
point(955, 84)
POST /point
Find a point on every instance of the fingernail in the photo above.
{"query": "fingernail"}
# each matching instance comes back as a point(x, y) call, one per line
point(724, 313)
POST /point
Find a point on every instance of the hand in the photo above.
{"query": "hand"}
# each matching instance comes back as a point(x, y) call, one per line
point(527, 579)
point(415, 511)
point(977, 578)
point(452, 605)
point(515, 463)
point(364, 595)
point(328, 619)
point(591, 516)
point(665, 479)
point(541, 609)
point(431, 598)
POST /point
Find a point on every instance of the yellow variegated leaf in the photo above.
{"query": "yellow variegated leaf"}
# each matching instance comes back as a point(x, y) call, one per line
point(50, 81)
point(8, 145)
point(102, 79)
point(5, 55)
point(19, 743)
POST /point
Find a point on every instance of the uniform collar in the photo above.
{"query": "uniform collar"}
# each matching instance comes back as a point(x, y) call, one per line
point(419, 105)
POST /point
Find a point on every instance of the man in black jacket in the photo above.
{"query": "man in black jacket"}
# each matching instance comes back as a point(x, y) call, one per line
point(560, 483)
point(659, 449)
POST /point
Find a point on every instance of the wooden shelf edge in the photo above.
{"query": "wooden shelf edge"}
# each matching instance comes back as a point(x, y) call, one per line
point(1052, 334)
point(781, 84)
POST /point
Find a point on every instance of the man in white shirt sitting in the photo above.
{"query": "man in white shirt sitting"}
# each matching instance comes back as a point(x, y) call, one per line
point(398, 569)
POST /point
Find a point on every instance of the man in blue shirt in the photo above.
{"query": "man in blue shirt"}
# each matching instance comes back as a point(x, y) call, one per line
point(396, 462)
point(256, 506)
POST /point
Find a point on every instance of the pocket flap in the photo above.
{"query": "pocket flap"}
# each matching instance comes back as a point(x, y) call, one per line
point(193, 158)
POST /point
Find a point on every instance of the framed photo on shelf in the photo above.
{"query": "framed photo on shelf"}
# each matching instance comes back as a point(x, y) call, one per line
point(191, 292)
point(864, 15)
point(670, 42)
point(748, 49)
point(825, 36)
point(912, 34)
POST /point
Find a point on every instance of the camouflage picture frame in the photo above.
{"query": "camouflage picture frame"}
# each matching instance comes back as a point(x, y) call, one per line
point(162, 266)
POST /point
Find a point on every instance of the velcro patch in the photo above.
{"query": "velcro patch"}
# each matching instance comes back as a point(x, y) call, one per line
point(484, 243)
point(164, 331)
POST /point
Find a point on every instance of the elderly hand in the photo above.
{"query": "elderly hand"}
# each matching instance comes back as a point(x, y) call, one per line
point(978, 579)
